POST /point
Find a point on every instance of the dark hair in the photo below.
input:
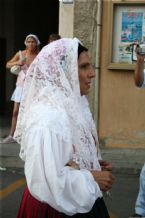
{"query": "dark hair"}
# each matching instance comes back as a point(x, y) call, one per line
point(81, 48)
point(54, 36)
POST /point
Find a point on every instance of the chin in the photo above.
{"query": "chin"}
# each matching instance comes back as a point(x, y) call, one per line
point(84, 92)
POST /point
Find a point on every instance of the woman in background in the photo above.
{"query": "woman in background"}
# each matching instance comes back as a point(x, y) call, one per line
point(23, 60)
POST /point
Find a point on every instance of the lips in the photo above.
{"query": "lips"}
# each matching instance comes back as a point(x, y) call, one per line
point(89, 83)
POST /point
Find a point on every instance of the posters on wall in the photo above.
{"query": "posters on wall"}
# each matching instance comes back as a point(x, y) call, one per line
point(132, 31)
point(132, 26)
point(125, 53)
point(128, 30)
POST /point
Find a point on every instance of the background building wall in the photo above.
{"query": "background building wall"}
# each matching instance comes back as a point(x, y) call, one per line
point(122, 105)
point(120, 117)
point(80, 20)
point(66, 20)
point(85, 28)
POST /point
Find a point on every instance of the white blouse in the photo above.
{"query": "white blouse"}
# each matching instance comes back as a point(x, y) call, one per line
point(49, 180)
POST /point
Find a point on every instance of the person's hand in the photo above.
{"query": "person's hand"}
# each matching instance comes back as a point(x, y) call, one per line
point(105, 165)
point(73, 164)
point(22, 62)
point(140, 58)
point(104, 179)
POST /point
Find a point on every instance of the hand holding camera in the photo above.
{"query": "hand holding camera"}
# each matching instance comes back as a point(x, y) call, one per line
point(140, 49)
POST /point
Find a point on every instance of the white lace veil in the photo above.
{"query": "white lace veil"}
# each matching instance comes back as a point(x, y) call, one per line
point(52, 81)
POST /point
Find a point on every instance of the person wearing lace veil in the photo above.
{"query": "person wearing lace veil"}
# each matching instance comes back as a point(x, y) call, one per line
point(63, 168)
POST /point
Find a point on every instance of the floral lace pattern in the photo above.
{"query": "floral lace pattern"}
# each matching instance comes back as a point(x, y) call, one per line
point(52, 82)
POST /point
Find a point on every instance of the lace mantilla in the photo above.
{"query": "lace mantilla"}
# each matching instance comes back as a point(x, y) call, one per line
point(52, 82)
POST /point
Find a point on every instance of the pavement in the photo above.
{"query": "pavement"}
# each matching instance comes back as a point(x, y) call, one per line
point(124, 160)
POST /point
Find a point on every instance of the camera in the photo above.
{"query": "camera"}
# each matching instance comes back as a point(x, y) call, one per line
point(140, 49)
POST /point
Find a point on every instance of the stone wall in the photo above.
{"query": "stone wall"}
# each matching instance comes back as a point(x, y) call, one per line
point(85, 28)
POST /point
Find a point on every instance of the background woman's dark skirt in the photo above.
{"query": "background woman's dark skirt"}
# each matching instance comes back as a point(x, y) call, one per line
point(32, 208)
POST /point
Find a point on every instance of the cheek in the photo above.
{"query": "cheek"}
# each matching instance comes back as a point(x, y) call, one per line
point(81, 77)
point(82, 84)
point(81, 81)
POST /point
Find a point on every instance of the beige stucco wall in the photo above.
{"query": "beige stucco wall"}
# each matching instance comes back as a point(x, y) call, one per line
point(117, 105)
point(66, 20)
point(122, 105)
point(80, 20)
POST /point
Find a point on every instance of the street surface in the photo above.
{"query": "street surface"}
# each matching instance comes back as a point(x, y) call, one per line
point(123, 195)
point(120, 205)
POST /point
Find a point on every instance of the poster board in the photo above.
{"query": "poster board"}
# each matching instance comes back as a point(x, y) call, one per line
point(127, 24)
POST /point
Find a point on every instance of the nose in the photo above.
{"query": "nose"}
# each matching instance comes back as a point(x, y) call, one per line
point(92, 73)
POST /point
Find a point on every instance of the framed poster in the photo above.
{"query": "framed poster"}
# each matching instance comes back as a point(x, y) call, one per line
point(127, 24)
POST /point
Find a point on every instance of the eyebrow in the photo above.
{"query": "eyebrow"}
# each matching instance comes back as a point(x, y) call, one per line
point(84, 65)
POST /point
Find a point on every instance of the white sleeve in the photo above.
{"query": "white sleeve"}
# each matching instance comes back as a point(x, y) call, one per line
point(67, 190)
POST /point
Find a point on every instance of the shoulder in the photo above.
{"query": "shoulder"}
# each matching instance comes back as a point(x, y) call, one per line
point(16, 54)
point(23, 52)
point(48, 117)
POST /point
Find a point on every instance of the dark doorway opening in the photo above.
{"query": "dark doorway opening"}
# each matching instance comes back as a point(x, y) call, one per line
point(37, 17)
point(2, 75)
point(18, 18)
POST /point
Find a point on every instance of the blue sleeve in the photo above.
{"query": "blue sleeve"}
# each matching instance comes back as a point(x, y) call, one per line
point(143, 85)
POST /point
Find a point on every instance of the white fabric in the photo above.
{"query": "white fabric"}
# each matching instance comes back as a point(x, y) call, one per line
point(17, 94)
point(34, 37)
point(55, 126)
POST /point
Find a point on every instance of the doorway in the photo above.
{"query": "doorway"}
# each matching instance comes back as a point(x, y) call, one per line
point(2, 75)
point(18, 19)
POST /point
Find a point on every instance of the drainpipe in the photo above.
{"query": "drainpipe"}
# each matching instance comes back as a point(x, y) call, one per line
point(97, 64)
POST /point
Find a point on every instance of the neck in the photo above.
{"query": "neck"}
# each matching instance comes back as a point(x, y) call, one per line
point(32, 51)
